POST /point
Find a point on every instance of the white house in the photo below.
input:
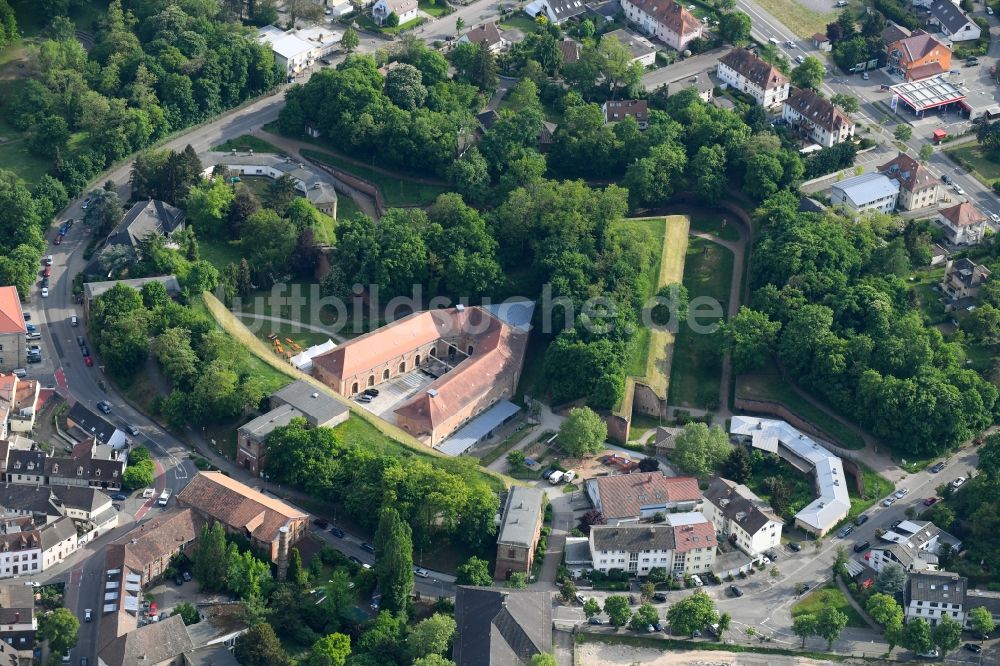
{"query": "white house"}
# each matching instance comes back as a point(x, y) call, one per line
point(665, 20)
point(963, 224)
point(869, 191)
point(742, 517)
point(816, 118)
point(406, 10)
point(747, 73)
point(21, 547)
point(931, 595)
point(59, 541)
point(486, 34)
point(918, 187)
point(556, 11)
point(913, 545)
point(292, 53)
point(953, 22)
point(686, 543)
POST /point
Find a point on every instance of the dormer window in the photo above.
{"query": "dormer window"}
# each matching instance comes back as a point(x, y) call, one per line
point(114, 474)
point(55, 468)
point(79, 470)
point(17, 465)
point(97, 472)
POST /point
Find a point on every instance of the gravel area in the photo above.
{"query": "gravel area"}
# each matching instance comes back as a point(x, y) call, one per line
point(600, 654)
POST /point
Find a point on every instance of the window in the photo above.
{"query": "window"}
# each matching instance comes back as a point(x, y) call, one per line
point(371, 380)
point(416, 361)
point(402, 366)
point(385, 374)
point(354, 387)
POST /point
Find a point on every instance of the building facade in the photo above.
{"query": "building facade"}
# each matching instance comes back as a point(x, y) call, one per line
point(405, 10)
point(13, 331)
point(963, 278)
point(867, 192)
point(617, 110)
point(917, 57)
point(742, 517)
point(918, 187)
point(816, 118)
point(665, 20)
point(963, 224)
point(629, 498)
point(747, 73)
point(520, 527)
point(931, 595)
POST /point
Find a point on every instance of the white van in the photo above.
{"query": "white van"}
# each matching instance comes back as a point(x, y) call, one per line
point(164, 497)
point(569, 476)
point(556, 477)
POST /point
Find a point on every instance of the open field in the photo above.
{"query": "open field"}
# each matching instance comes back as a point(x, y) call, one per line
point(972, 157)
point(697, 371)
point(767, 384)
point(397, 190)
point(829, 596)
point(801, 20)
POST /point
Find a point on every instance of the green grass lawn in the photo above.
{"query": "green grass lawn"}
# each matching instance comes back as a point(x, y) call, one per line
point(346, 207)
point(800, 486)
point(219, 252)
point(433, 8)
point(14, 156)
point(927, 299)
point(245, 143)
point(826, 597)
point(767, 384)
point(639, 354)
point(695, 376)
point(718, 225)
point(532, 380)
point(971, 155)
point(801, 20)
point(521, 22)
point(396, 190)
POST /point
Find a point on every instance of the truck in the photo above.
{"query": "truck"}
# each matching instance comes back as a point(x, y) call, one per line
point(164, 497)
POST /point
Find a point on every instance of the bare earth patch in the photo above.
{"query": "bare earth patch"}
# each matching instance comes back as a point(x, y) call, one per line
point(600, 654)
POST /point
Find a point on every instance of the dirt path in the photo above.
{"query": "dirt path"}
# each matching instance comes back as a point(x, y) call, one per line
point(601, 654)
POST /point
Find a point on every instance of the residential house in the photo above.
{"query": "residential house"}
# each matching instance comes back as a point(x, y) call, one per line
point(665, 20)
point(520, 528)
point(90, 464)
point(686, 543)
point(704, 84)
point(867, 192)
point(59, 540)
point(742, 517)
point(918, 57)
point(955, 24)
point(629, 498)
point(144, 219)
point(963, 278)
point(160, 643)
point(832, 502)
point(665, 439)
point(931, 595)
point(822, 42)
point(20, 546)
point(617, 110)
point(963, 224)
point(405, 11)
point(747, 73)
point(570, 49)
point(145, 552)
point(17, 617)
point(643, 51)
point(913, 545)
point(264, 521)
point(292, 54)
point(475, 354)
point(918, 187)
point(310, 182)
point(9, 656)
point(893, 32)
point(90, 424)
point(18, 398)
point(938, 254)
point(501, 627)
point(82, 503)
point(487, 34)
point(38, 502)
point(93, 290)
point(556, 11)
point(817, 118)
point(299, 399)
point(13, 331)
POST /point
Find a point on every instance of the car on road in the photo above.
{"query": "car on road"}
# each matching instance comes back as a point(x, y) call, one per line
point(958, 482)
point(660, 596)
point(794, 546)
point(595, 621)
point(989, 10)
point(88, 361)
point(367, 546)
point(131, 429)
point(579, 597)
point(34, 358)
point(772, 555)
point(930, 500)
point(320, 523)
point(735, 591)
point(889, 501)
point(337, 532)
point(423, 573)
point(946, 178)
point(364, 398)
point(118, 497)
point(862, 547)
point(994, 217)
point(790, 44)
point(88, 615)
point(57, 240)
point(83, 661)
point(73, 321)
point(845, 531)
point(354, 559)
point(66, 657)
point(104, 406)
point(894, 524)
point(902, 492)
point(972, 647)
point(186, 575)
point(44, 282)
point(800, 59)
point(958, 188)
point(31, 328)
point(178, 580)
point(865, 76)
point(80, 340)
point(937, 468)
point(45, 292)
point(85, 204)
point(47, 271)
point(861, 520)
point(84, 350)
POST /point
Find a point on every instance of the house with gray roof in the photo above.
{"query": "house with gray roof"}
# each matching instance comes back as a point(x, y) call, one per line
point(741, 516)
point(913, 545)
point(146, 218)
point(556, 11)
point(955, 24)
point(17, 616)
point(869, 191)
point(520, 527)
point(931, 595)
point(501, 627)
point(156, 643)
point(92, 290)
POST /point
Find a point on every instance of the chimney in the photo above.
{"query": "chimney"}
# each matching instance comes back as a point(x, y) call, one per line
point(283, 552)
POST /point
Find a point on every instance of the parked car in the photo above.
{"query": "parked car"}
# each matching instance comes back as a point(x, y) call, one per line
point(57, 240)
point(946, 178)
point(595, 621)
point(73, 321)
point(794, 546)
point(569, 476)
point(862, 547)
point(958, 188)
point(735, 591)
point(48, 260)
point(88, 361)
point(178, 580)
point(186, 575)
point(85, 204)
point(367, 546)
point(902, 492)
point(118, 497)
point(548, 472)
point(937, 468)
point(866, 76)
point(84, 350)
point(972, 647)
point(423, 573)
point(373, 392)
point(104, 406)
point(131, 429)
point(861, 520)
point(772, 555)
point(354, 559)
point(579, 597)
point(889, 501)
point(696, 579)
point(88, 615)
point(660, 596)
point(958, 482)
point(80, 340)
point(45, 292)
point(320, 523)
point(895, 524)
point(845, 531)
point(337, 532)
point(364, 398)
point(31, 328)
point(930, 500)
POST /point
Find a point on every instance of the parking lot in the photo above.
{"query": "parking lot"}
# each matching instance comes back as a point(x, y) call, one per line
point(396, 391)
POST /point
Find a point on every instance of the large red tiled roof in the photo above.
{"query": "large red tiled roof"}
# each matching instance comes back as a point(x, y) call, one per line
point(623, 496)
point(909, 173)
point(963, 215)
point(678, 19)
point(11, 316)
point(696, 535)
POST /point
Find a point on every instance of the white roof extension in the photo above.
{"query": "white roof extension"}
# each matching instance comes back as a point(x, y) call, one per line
point(287, 45)
point(833, 501)
point(867, 187)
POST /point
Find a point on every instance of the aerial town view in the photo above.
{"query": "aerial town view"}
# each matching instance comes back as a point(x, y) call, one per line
point(499, 332)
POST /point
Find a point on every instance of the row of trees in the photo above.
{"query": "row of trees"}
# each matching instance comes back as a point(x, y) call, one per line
point(849, 332)
point(693, 613)
point(155, 68)
point(24, 216)
point(434, 500)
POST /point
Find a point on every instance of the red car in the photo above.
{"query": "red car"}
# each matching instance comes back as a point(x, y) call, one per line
point(88, 361)
point(57, 241)
point(47, 271)
point(930, 500)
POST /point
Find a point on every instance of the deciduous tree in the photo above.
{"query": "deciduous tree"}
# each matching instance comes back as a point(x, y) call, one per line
point(394, 559)
point(583, 433)
point(617, 608)
point(474, 571)
point(60, 629)
point(830, 622)
point(700, 449)
point(694, 612)
point(259, 646)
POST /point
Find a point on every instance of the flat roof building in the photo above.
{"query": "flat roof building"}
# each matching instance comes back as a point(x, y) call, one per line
point(869, 191)
point(520, 527)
